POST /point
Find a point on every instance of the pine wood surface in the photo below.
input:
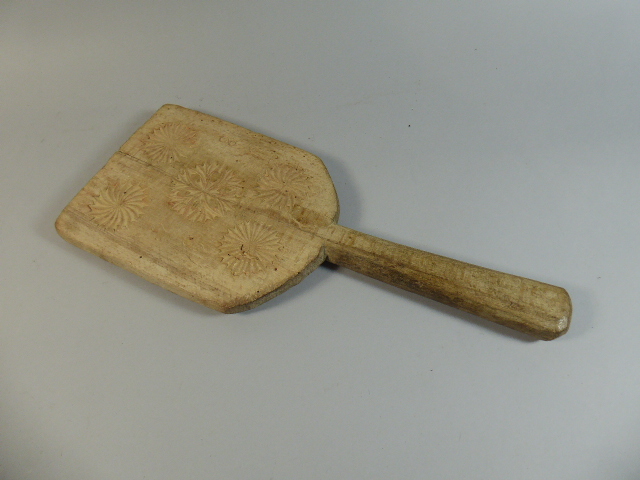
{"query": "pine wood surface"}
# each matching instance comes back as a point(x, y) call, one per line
point(231, 218)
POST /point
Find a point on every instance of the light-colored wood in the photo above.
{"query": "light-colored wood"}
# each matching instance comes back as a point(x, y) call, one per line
point(206, 209)
point(536, 308)
point(231, 218)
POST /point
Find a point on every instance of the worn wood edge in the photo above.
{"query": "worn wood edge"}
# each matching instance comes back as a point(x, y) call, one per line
point(292, 282)
point(66, 227)
point(546, 328)
point(542, 328)
point(63, 221)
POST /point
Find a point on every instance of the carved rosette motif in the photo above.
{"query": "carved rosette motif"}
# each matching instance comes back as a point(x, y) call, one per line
point(169, 142)
point(204, 192)
point(249, 248)
point(282, 187)
point(117, 205)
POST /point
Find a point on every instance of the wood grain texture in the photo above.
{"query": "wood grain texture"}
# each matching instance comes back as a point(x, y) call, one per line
point(231, 218)
point(538, 309)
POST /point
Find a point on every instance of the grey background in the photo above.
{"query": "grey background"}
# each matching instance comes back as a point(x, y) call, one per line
point(502, 133)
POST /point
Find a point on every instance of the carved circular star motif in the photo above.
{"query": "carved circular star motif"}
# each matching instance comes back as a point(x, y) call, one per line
point(204, 192)
point(169, 142)
point(249, 248)
point(118, 205)
point(283, 186)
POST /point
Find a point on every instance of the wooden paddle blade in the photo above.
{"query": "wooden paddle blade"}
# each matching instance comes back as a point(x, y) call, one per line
point(206, 209)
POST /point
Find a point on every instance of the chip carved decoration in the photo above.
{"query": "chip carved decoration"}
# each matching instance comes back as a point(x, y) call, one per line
point(205, 192)
point(249, 248)
point(169, 142)
point(282, 186)
point(117, 205)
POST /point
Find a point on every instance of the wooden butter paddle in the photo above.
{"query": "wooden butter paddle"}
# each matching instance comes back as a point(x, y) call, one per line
point(230, 218)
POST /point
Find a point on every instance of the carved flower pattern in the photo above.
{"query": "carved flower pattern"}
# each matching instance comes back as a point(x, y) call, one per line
point(282, 186)
point(204, 192)
point(249, 248)
point(118, 205)
point(169, 142)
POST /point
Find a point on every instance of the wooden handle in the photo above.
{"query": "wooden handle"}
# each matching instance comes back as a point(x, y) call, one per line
point(536, 308)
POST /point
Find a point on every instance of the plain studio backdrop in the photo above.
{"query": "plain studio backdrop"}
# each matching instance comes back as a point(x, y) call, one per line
point(502, 133)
